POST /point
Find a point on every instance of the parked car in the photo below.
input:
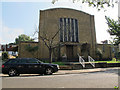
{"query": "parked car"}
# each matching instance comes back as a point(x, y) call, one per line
point(17, 66)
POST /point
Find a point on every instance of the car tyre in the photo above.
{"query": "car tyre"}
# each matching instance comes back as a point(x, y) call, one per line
point(48, 71)
point(12, 72)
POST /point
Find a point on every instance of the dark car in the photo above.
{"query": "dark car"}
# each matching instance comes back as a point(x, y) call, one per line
point(15, 67)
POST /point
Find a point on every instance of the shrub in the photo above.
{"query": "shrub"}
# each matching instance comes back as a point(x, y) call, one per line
point(117, 55)
point(31, 48)
point(114, 59)
point(99, 53)
point(4, 55)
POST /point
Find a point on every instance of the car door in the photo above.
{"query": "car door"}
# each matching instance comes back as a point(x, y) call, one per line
point(21, 66)
point(34, 66)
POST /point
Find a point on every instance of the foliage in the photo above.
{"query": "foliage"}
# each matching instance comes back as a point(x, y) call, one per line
point(4, 55)
point(11, 44)
point(23, 37)
point(96, 3)
point(99, 53)
point(114, 29)
point(31, 48)
point(114, 59)
point(117, 55)
point(116, 87)
point(59, 63)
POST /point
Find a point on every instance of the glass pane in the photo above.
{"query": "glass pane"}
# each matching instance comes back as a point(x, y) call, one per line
point(12, 61)
point(65, 31)
point(76, 29)
point(32, 61)
point(72, 31)
point(68, 30)
point(22, 61)
point(61, 30)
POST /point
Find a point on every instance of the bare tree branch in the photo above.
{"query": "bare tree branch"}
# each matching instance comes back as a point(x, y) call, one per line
point(43, 39)
point(36, 31)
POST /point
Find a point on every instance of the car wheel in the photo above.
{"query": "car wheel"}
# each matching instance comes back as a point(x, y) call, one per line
point(12, 72)
point(48, 71)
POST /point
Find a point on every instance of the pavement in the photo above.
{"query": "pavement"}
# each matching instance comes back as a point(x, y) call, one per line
point(62, 72)
point(84, 70)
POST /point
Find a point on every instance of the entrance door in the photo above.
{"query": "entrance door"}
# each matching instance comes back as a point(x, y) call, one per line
point(69, 52)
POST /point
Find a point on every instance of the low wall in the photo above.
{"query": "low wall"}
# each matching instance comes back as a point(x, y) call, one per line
point(88, 66)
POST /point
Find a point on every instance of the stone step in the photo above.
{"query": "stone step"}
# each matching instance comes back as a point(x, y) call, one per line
point(88, 66)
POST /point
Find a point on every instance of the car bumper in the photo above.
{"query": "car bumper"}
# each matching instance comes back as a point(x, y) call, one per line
point(4, 71)
point(55, 69)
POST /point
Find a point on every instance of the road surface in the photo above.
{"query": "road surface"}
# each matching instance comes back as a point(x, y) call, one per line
point(103, 79)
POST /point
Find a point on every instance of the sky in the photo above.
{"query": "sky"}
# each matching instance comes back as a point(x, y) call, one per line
point(20, 17)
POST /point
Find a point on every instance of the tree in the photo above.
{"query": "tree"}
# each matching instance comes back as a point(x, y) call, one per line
point(23, 37)
point(96, 3)
point(5, 55)
point(114, 29)
point(49, 42)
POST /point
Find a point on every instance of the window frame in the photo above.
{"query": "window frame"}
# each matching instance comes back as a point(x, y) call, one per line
point(68, 33)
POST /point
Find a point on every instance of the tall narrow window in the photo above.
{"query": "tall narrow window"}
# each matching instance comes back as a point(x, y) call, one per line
point(61, 30)
point(72, 32)
point(65, 30)
point(68, 30)
point(76, 27)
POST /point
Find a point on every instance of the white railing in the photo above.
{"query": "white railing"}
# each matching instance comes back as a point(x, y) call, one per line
point(91, 60)
point(81, 60)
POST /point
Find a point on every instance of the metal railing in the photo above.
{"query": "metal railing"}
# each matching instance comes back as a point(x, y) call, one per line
point(81, 60)
point(91, 60)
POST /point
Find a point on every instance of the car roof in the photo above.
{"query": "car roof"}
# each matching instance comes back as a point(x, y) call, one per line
point(20, 58)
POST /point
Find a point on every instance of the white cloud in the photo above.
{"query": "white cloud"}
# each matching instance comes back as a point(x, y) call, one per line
point(9, 34)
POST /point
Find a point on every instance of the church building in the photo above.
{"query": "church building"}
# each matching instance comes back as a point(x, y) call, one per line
point(70, 33)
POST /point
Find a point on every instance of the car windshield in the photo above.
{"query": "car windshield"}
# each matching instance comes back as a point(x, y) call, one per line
point(12, 61)
point(39, 61)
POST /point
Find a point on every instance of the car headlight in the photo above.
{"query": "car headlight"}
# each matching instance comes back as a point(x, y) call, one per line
point(58, 67)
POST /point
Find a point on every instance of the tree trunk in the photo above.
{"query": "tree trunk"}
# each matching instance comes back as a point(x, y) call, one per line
point(50, 55)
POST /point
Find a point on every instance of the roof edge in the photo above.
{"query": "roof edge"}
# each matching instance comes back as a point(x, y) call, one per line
point(66, 9)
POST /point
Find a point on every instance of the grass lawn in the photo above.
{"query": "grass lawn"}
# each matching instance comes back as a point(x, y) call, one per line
point(108, 61)
point(112, 61)
point(59, 63)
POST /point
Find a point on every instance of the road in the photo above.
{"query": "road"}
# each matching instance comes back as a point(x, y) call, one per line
point(103, 79)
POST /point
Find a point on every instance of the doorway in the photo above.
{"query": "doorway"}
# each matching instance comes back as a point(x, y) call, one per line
point(69, 52)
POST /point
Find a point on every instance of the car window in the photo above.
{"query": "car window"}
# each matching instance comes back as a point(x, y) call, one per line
point(32, 61)
point(12, 61)
point(22, 61)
